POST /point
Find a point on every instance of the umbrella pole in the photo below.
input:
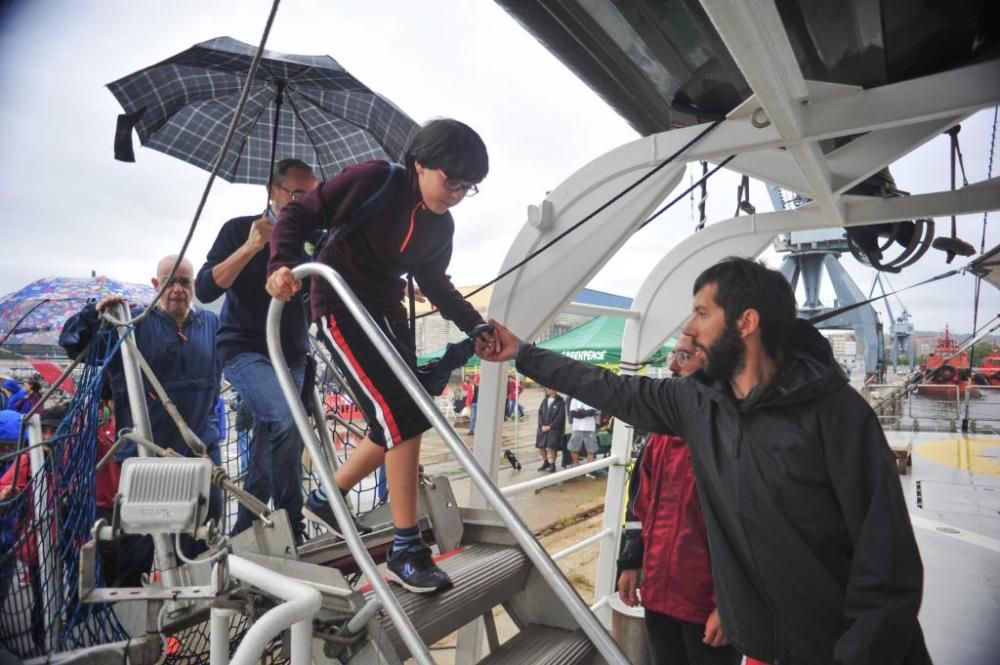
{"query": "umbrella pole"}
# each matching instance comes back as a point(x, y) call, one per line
point(13, 328)
point(274, 138)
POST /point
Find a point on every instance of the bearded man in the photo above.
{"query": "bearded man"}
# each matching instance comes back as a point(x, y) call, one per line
point(813, 554)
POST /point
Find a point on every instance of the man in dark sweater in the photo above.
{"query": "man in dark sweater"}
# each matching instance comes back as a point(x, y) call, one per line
point(237, 267)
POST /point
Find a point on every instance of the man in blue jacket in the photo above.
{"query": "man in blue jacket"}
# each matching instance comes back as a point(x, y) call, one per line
point(179, 343)
point(237, 267)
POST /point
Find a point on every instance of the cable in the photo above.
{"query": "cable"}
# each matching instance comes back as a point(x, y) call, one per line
point(223, 153)
point(842, 310)
point(680, 196)
point(211, 559)
point(982, 249)
point(604, 206)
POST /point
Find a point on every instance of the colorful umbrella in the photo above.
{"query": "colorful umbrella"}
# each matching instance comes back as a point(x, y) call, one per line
point(35, 314)
point(184, 105)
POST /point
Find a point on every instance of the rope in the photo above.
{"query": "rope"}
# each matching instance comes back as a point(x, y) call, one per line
point(601, 208)
point(223, 153)
point(704, 197)
point(982, 248)
point(680, 196)
point(842, 310)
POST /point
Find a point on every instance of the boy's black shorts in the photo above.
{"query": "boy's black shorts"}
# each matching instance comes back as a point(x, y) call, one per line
point(391, 413)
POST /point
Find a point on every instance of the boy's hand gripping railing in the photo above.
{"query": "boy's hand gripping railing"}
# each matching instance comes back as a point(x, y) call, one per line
point(550, 572)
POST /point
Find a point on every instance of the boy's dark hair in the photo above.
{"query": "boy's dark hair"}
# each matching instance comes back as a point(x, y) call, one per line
point(452, 146)
point(35, 386)
point(743, 284)
point(281, 169)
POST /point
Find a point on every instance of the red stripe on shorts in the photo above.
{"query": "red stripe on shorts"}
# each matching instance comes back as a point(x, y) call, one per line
point(394, 434)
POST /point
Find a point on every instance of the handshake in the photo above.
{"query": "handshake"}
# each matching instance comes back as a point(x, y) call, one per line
point(494, 342)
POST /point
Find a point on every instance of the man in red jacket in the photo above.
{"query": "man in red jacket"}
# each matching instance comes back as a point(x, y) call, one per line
point(682, 622)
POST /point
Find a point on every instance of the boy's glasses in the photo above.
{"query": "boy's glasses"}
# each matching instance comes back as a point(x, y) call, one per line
point(467, 188)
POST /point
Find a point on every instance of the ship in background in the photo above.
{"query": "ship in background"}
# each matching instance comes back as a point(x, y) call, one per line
point(946, 369)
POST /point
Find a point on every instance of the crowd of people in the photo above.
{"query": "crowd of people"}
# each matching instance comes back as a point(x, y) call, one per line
point(769, 519)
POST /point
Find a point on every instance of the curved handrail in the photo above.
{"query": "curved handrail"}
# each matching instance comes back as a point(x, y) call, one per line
point(550, 572)
point(302, 602)
point(418, 650)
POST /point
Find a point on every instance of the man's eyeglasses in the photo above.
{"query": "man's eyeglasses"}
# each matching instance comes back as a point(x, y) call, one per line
point(292, 193)
point(683, 357)
point(183, 282)
point(467, 188)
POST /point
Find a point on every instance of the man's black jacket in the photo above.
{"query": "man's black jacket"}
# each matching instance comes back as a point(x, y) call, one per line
point(813, 555)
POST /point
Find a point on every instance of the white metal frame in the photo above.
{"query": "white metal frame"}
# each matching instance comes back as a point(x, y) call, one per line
point(887, 122)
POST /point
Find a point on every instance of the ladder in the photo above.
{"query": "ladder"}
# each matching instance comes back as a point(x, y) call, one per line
point(491, 555)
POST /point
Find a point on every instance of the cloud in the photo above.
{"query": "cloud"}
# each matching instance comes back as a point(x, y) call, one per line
point(69, 207)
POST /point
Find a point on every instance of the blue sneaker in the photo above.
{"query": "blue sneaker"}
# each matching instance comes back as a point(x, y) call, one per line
point(415, 570)
point(318, 510)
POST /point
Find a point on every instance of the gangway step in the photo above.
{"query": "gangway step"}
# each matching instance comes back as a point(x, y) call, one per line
point(543, 645)
point(484, 575)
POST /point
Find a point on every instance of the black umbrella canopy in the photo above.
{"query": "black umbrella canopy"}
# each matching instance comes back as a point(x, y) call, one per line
point(184, 105)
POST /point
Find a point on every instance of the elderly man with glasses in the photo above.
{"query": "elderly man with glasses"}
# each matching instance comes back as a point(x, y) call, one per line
point(237, 267)
point(177, 340)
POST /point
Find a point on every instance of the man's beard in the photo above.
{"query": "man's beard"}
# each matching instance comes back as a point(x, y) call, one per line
point(727, 354)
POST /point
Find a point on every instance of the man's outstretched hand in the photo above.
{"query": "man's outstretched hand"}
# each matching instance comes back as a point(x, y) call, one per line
point(502, 346)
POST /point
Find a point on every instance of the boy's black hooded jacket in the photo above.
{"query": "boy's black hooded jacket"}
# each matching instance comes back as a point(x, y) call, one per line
point(813, 555)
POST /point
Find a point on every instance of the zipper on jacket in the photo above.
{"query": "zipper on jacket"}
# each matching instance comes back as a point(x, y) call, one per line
point(775, 626)
point(409, 234)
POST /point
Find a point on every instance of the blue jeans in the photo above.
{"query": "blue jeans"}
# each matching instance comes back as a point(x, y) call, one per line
point(275, 464)
point(509, 411)
point(472, 416)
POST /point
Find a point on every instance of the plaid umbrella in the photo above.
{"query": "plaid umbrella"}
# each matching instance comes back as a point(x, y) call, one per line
point(183, 106)
point(36, 313)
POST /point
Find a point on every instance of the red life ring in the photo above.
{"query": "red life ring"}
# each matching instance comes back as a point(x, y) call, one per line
point(944, 373)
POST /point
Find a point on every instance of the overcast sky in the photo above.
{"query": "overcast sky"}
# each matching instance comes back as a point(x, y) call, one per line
point(69, 208)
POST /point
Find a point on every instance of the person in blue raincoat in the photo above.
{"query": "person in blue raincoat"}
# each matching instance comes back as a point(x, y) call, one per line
point(16, 395)
point(178, 342)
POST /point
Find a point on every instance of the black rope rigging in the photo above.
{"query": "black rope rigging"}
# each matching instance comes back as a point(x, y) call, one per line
point(601, 208)
point(847, 308)
point(704, 197)
point(955, 246)
point(982, 248)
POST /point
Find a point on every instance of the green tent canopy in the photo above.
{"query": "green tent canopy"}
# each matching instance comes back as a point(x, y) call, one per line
point(597, 342)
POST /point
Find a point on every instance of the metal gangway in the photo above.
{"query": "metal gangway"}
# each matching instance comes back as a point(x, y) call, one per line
point(299, 592)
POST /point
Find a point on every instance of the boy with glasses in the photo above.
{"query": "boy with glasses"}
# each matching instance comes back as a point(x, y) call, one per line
point(386, 221)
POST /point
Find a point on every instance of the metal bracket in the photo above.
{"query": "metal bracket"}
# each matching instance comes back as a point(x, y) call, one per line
point(90, 593)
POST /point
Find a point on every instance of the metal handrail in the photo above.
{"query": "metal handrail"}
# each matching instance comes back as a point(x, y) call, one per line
point(583, 544)
point(418, 650)
point(549, 571)
point(559, 476)
point(302, 602)
point(163, 549)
